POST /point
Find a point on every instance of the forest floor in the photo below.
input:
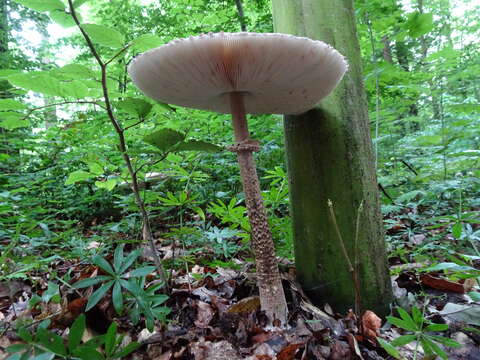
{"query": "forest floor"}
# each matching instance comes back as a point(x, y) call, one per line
point(213, 310)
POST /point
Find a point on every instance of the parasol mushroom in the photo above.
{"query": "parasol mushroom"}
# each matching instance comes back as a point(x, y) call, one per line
point(242, 73)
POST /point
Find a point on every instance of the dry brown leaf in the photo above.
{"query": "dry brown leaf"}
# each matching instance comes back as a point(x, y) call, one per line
point(204, 315)
point(247, 305)
point(289, 351)
point(441, 283)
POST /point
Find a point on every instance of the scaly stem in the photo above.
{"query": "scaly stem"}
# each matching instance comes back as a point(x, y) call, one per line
point(272, 297)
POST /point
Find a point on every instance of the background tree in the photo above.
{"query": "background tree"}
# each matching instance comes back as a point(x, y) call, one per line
point(329, 156)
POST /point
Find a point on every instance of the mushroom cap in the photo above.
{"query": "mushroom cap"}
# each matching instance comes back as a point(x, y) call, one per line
point(277, 73)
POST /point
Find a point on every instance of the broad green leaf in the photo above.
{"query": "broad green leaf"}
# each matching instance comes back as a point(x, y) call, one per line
point(76, 332)
point(78, 3)
point(12, 121)
point(108, 184)
point(444, 340)
point(117, 297)
point(74, 71)
point(466, 108)
point(4, 73)
point(38, 82)
point(118, 258)
point(42, 5)
point(474, 295)
point(52, 290)
point(197, 145)
point(24, 334)
point(390, 349)
point(449, 266)
point(164, 139)
point(44, 356)
point(63, 18)
point(104, 264)
point(104, 35)
point(10, 104)
point(129, 260)
point(408, 319)
point(87, 353)
point(457, 230)
point(90, 281)
point(135, 107)
point(428, 140)
point(98, 295)
point(79, 175)
point(17, 347)
point(143, 271)
point(126, 350)
point(401, 323)
point(95, 168)
point(76, 89)
point(417, 316)
point(436, 327)
point(434, 347)
point(146, 42)
point(51, 341)
point(110, 338)
point(419, 24)
point(403, 340)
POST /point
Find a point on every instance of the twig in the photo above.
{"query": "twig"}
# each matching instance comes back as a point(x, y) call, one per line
point(29, 112)
point(118, 53)
point(351, 269)
point(123, 148)
point(135, 124)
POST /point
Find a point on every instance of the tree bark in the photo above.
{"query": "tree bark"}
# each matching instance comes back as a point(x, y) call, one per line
point(329, 156)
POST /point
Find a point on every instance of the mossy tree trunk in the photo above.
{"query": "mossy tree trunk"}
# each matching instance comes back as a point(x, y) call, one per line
point(329, 156)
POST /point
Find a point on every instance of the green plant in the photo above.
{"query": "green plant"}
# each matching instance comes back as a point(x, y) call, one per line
point(46, 345)
point(231, 214)
point(219, 239)
point(117, 277)
point(147, 302)
point(420, 327)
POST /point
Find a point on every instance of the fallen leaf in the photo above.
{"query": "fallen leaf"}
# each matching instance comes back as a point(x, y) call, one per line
point(441, 283)
point(289, 351)
point(469, 314)
point(207, 350)
point(247, 305)
point(204, 315)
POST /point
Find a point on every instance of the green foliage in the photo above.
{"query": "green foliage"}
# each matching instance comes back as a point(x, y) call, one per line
point(172, 140)
point(419, 24)
point(42, 5)
point(119, 276)
point(420, 328)
point(47, 345)
point(103, 35)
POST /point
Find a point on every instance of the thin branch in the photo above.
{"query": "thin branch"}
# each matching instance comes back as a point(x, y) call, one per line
point(351, 268)
point(61, 103)
point(135, 124)
point(118, 53)
point(151, 163)
point(123, 149)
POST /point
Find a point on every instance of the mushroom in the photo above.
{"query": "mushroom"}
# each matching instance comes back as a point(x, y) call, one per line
point(242, 73)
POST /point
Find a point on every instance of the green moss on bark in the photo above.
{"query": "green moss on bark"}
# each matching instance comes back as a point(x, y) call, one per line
point(329, 156)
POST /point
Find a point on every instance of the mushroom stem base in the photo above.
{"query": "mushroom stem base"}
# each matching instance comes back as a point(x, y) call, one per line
point(272, 297)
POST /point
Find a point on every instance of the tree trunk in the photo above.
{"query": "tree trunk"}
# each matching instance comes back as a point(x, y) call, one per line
point(329, 156)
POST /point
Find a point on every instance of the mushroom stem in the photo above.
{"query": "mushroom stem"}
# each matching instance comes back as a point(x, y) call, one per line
point(272, 297)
